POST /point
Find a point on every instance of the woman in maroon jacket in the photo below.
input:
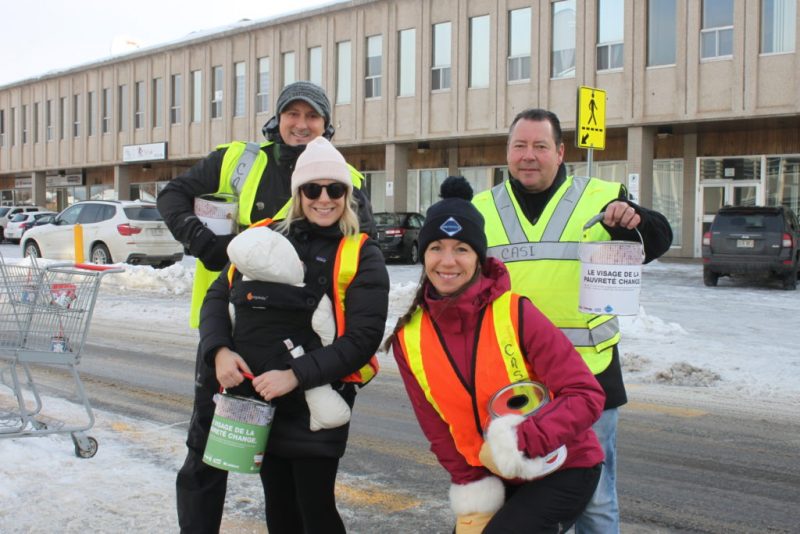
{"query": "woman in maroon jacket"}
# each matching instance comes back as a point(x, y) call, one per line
point(453, 349)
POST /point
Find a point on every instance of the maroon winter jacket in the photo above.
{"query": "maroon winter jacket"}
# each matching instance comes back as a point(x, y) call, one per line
point(567, 419)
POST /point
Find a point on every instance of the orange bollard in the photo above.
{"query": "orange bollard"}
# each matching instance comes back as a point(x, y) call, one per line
point(78, 243)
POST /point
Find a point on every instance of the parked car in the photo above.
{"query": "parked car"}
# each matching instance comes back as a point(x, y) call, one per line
point(398, 235)
point(22, 222)
point(760, 241)
point(8, 212)
point(114, 231)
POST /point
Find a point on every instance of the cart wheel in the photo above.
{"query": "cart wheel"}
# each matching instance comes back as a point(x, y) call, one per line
point(86, 452)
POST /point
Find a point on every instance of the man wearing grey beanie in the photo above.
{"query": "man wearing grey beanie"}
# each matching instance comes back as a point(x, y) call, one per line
point(260, 173)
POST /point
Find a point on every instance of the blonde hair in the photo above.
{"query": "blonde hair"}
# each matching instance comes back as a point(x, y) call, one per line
point(348, 222)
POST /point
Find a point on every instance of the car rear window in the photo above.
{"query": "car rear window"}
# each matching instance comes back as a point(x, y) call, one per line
point(19, 217)
point(387, 219)
point(3, 211)
point(143, 213)
point(762, 222)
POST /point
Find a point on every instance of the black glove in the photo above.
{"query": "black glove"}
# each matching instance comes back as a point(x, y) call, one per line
point(211, 249)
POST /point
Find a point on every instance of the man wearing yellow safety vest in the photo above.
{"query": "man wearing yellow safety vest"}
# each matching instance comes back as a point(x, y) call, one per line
point(258, 176)
point(534, 222)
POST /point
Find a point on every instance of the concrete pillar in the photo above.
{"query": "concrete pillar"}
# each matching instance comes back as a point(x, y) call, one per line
point(640, 164)
point(692, 214)
point(396, 174)
point(39, 189)
point(452, 161)
point(122, 182)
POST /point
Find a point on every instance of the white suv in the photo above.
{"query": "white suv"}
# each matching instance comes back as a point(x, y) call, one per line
point(8, 212)
point(114, 231)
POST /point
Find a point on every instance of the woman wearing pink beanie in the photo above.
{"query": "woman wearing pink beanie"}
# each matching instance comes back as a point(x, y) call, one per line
point(300, 465)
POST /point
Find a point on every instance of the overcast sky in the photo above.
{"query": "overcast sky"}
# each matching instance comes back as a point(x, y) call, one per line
point(44, 35)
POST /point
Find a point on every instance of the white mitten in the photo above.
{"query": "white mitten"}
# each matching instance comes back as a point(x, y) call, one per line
point(326, 407)
point(475, 503)
point(500, 449)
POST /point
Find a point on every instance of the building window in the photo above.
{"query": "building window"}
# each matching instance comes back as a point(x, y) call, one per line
point(407, 66)
point(13, 126)
point(158, 102)
point(35, 122)
point(288, 68)
point(610, 34)
point(91, 105)
point(239, 89)
point(216, 92)
point(429, 182)
point(783, 182)
point(563, 32)
point(2, 127)
point(661, 32)
point(62, 116)
point(76, 115)
point(372, 82)
point(343, 72)
point(49, 133)
point(175, 99)
point(105, 115)
point(24, 124)
point(122, 107)
point(315, 65)
point(479, 51)
point(778, 18)
point(668, 194)
point(197, 96)
point(440, 72)
point(138, 106)
point(519, 44)
point(716, 37)
point(262, 94)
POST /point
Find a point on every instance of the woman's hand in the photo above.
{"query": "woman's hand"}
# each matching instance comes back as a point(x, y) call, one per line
point(229, 367)
point(275, 383)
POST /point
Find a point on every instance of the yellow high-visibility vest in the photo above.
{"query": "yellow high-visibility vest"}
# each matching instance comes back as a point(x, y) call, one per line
point(542, 258)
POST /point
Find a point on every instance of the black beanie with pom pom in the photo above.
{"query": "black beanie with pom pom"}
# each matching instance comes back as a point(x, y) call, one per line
point(454, 217)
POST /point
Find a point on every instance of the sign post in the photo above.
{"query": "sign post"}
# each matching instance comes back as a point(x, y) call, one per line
point(591, 128)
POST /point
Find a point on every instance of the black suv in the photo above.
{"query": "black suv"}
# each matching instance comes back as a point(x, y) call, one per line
point(752, 241)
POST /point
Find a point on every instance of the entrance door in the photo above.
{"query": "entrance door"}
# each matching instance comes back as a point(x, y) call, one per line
point(716, 194)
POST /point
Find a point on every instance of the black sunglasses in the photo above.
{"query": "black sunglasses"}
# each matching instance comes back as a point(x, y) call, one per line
point(312, 191)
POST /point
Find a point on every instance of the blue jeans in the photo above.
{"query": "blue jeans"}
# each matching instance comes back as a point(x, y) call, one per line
point(602, 513)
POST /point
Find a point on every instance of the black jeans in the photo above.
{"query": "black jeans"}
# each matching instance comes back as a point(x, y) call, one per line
point(548, 505)
point(199, 488)
point(299, 495)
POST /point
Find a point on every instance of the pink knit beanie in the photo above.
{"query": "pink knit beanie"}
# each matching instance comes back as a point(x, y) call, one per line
point(320, 161)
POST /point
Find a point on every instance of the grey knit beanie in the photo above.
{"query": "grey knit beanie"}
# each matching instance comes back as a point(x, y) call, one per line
point(310, 93)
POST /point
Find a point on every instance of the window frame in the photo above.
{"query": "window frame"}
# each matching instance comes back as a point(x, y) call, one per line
point(373, 70)
point(441, 79)
point(516, 63)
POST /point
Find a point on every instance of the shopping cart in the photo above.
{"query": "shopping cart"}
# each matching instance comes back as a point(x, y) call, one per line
point(45, 314)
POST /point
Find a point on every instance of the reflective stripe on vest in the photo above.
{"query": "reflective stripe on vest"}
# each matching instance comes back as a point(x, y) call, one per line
point(462, 404)
point(542, 258)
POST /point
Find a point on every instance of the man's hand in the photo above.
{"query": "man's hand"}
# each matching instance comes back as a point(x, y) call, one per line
point(229, 367)
point(274, 384)
point(621, 214)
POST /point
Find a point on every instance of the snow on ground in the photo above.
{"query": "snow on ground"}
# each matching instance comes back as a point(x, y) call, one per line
point(738, 340)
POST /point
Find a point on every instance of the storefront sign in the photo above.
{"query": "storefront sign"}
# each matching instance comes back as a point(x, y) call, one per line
point(23, 183)
point(148, 152)
point(69, 179)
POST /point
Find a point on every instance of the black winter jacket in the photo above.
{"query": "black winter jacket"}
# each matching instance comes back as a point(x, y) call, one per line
point(268, 313)
point(176, 200)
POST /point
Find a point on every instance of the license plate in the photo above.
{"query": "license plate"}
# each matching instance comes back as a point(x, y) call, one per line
point(744, 243)
point(157, 231)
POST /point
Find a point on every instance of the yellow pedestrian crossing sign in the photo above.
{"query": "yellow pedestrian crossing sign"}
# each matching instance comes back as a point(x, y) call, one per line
point(591, 132)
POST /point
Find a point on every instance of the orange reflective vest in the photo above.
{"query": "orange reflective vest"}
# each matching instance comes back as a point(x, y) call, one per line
point(344, 271)
point(463, 402)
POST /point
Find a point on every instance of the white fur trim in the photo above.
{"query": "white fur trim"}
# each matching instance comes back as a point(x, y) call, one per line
point(486, 496)
point(512, 462)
